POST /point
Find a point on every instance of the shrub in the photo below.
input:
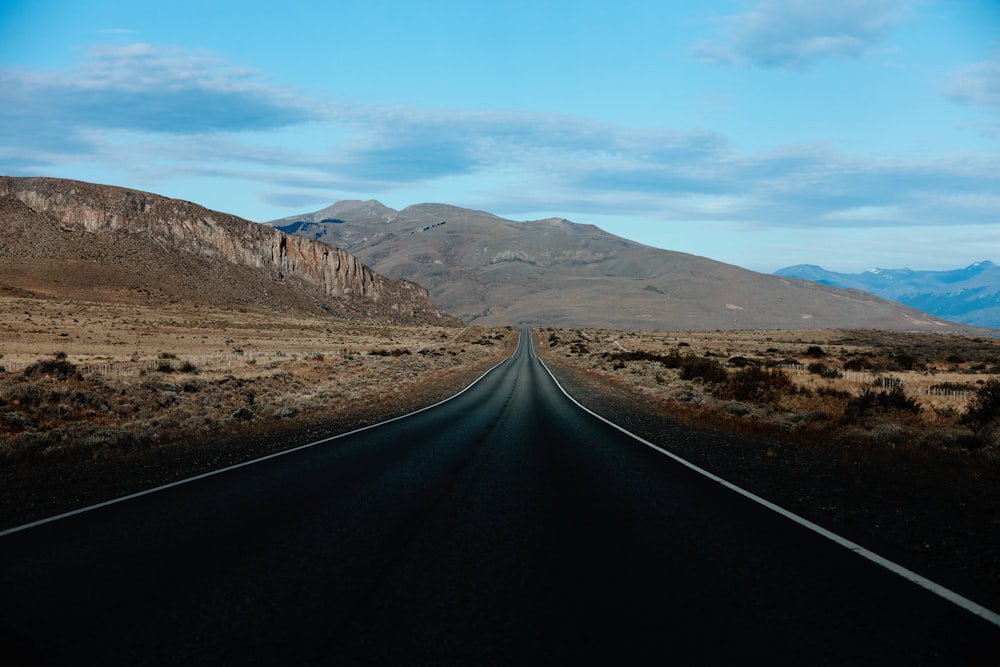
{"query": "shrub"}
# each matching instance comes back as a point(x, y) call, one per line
point(870, 401)
point(753, 383)
point(25, 395)
point(57, 368)
point(397, 352)
point(983, 415)
point(243, 415)
point(815, 351)
point(904, 361)
point(859, 364)
point(672, 360)
point(693, 367)
point(891, 434)
point(822, 370)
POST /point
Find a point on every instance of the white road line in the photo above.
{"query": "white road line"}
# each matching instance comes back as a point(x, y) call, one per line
point(139, 494)
point(896, 568)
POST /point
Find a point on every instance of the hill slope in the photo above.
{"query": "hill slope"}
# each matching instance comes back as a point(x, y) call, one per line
point(489, 270)
point(80, 240)
point(970, 295)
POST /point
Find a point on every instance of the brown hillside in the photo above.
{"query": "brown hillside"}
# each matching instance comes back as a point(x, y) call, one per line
point(489, 270)
point(80, 240)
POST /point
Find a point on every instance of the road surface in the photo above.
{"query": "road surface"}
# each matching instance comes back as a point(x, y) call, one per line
point(505, 526)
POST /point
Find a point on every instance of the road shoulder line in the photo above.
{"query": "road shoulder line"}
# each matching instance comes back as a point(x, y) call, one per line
point(236, 466)
point(932, 586)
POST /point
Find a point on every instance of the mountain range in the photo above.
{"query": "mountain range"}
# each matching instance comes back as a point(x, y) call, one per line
point(429, 263)
point(489, 270)
point(68, 239)
point(970, 295)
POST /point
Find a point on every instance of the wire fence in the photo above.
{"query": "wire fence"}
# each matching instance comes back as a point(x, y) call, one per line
point(869, 379)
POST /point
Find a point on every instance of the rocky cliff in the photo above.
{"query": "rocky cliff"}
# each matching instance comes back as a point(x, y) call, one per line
point(179, 226)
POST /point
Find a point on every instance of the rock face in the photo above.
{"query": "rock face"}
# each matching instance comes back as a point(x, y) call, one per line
point(182, 227)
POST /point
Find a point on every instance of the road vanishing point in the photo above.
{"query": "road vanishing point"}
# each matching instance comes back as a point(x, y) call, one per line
point(504, 526)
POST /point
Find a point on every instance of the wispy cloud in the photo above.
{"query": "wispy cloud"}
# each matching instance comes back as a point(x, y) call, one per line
point(977, 84)
point(139, 87)
point(160, 114)
point(793, 34)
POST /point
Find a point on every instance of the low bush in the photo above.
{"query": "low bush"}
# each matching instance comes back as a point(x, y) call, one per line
point(396, 352)
point(755, 384)
point(870, 402)
point(57, 368)
point(983, 415)
point(671, 360)
point(822, 370)
point(709, 370)
point(859, 364)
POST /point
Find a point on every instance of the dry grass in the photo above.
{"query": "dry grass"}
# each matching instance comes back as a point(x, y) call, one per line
point(90, 386)
point(133, 377)
point(816, 379)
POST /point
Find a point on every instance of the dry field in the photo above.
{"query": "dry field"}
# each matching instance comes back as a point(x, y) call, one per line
point(891, 389)
point(99, 399)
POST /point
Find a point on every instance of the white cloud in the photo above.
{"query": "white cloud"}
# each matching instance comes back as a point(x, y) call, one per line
point(142, 88)
point(793, 34)
point(977, 85)
point(163, 115)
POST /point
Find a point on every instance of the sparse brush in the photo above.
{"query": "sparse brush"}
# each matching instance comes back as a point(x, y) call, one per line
point(753, 383)
point(709, 370)
point(57, 368)
point(870, 401)
point(983, 415)
point(395, 352)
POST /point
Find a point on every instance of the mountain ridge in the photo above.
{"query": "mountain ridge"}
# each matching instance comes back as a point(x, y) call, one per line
point(280, 270)
point(969, 295)
point(490, 270)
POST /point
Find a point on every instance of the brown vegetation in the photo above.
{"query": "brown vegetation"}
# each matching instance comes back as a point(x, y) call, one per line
point(905, 390)
point(102, 399)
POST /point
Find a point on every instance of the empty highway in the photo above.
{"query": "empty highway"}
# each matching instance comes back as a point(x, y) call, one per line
point(505, 526)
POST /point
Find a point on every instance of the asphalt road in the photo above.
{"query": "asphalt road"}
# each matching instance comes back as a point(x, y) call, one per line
point(505, 526)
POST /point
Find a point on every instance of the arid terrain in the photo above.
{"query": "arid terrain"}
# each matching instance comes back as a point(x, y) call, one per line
point(99, 399)
point(866, 433)
point(488, 270)
point(144, 340)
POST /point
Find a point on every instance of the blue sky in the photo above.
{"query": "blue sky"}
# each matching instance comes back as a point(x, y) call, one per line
point(762, 133)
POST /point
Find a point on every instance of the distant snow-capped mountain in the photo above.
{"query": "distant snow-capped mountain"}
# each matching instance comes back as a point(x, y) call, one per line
point(970, 295)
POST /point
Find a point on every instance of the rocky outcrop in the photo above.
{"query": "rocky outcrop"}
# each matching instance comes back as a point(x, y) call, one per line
point(182, 226)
